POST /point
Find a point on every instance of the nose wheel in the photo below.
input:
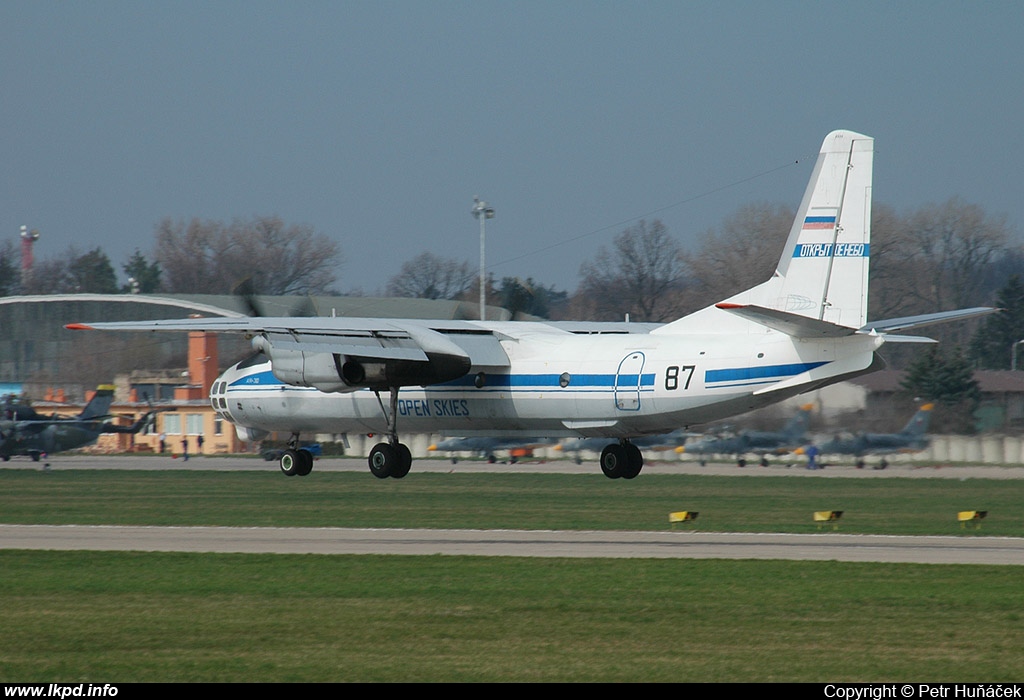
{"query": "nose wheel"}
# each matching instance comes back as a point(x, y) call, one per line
point(392, 458)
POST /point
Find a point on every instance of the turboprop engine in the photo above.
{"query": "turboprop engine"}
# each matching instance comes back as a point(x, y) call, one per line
point(372, 360)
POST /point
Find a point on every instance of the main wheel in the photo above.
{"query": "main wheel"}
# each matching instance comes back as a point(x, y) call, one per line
point(614, 461)
point(634, 461)
point(404, 462)
point(290, 462)
point(383, 459)
point(305, 462)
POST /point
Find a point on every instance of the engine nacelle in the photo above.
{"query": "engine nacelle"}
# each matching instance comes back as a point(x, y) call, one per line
point(334, 372)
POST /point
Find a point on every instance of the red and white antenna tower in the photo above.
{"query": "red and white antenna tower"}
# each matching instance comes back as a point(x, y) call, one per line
point(27, 239)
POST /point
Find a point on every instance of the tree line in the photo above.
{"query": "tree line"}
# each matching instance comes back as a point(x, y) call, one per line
point(195, 257)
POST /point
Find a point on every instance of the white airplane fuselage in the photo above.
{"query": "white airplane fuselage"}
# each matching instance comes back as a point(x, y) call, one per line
point(560, 384)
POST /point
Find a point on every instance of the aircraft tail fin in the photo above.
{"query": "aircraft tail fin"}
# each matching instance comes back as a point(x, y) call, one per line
point(820, 286)
point(823, 270)
point(99, 404)
point(918, 424)
point(799, 423)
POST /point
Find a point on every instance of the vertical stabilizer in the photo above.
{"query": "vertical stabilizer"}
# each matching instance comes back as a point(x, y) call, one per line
point(99, 404)
point(918, 424)
point(823, 271)
point(799, 423)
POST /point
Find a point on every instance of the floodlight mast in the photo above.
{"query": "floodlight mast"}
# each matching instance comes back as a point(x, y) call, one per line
point(482, 211)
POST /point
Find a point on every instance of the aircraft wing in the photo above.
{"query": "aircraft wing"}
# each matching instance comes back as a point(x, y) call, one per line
point(302, 348)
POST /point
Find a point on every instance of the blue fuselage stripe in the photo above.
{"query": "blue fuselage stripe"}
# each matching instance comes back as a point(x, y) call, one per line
point(499, 381)
point(769, 373)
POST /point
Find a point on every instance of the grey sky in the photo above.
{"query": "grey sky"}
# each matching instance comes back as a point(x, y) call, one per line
point(377, 122)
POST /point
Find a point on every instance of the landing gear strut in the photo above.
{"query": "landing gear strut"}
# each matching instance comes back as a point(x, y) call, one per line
point(390, 458)
point(621, 460)
point(294, 460)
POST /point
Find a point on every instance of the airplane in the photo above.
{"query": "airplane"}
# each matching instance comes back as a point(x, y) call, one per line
point(23, 431)
point(488, 445)
point(913, 438)
point(804, 328)
point(758, 442)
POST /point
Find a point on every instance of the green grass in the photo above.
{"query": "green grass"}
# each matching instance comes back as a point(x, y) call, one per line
point(527, 501)
point(126, 616)
point(120, 617)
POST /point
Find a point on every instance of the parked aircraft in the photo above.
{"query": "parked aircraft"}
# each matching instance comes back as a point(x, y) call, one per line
point(23, 431)
point(804, 328)
point(913, 438)
point(758, 442)
point(487, 446)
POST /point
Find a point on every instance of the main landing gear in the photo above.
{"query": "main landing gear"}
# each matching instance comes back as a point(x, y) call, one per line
point(390, 458)
point(621, 460)
point(295, 461)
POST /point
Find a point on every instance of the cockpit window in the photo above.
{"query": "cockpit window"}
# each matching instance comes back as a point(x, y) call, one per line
point(257, 359)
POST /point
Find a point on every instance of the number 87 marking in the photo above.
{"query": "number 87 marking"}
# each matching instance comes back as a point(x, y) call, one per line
point(672, 376)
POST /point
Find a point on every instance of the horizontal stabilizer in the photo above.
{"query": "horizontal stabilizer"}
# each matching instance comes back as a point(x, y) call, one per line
point(789, 323)
point(909, 339)
point(899, 324)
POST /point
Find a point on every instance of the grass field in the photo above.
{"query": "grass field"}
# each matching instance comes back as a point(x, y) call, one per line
point(529, 501)
point(120, 617)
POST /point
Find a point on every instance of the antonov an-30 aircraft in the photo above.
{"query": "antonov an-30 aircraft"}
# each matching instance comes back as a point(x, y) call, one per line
point(804, 328)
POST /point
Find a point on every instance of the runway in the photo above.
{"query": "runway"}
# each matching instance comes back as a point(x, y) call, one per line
point(680, 544)
point(519, 543)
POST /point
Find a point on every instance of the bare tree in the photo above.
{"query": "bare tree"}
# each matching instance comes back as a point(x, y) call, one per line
point(642, 275)
point(428, 276)
point(947, 247)
point(211, 257)
point(10, 272)
point(743, 251)
point(890, 285)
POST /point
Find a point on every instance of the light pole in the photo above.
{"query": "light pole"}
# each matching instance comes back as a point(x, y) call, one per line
point(482, 211)
point(1013, 355)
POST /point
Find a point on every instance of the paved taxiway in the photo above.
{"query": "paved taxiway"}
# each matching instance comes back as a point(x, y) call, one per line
point(969, 549)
